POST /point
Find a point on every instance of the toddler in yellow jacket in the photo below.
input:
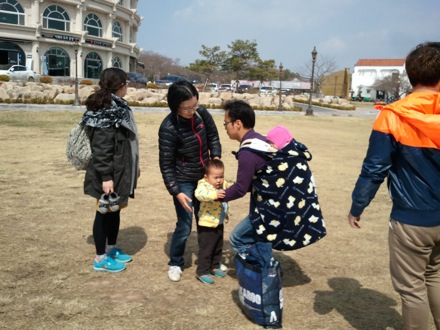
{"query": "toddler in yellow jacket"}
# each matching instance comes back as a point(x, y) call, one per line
point(212, 215)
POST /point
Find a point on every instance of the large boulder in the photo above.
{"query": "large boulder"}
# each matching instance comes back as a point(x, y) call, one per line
point(3, 94)
point(64, 97)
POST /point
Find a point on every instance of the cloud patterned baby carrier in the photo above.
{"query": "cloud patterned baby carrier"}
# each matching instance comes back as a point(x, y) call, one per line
point(285, 211)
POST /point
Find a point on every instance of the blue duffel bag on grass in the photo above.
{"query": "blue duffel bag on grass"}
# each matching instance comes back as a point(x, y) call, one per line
point(260, 287)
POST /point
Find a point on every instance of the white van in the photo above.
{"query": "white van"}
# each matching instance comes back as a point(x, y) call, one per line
point(269, 90)
point(211, 88)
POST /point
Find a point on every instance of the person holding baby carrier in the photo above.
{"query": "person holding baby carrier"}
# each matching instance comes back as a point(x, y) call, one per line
point(284, 212)
point(284, 208)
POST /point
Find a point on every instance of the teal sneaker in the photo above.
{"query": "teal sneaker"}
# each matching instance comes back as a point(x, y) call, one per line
point(108, 265)
point(206, 279)
point(119, 256)
point(218, 273)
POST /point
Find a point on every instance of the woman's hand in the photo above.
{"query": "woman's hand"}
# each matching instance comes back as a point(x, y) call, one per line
point(108, 187)
point(183, 199)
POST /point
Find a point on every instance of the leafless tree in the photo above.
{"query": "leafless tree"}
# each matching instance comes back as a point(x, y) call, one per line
point(157, 65)
point(394, 86)
point(324, 65)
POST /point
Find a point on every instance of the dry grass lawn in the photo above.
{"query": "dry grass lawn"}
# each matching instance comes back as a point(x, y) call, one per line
point(46, 276)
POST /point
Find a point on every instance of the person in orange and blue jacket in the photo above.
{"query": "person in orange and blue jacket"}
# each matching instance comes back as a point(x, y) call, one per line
point(188, 138)
point(404, 147)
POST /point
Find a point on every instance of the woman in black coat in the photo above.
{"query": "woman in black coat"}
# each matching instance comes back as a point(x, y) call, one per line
point(112, 173)
point(188, 138)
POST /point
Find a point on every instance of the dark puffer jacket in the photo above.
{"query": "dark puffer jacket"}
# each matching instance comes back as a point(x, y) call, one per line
point(185, 145)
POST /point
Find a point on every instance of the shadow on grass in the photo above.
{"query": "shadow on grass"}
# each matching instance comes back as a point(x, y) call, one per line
point(292, 272)
point(131, 240)
point(363, 308)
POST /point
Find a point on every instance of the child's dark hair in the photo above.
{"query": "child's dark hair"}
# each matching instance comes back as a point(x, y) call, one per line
point(110, 80)
point(213, 163)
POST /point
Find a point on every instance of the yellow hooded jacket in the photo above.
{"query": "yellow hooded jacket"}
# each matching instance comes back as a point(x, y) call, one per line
point(212, 212)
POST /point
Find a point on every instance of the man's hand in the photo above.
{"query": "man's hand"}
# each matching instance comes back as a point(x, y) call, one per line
point(220, 194)
point(354, 221)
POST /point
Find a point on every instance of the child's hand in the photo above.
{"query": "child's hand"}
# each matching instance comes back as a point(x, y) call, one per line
point(221, 193)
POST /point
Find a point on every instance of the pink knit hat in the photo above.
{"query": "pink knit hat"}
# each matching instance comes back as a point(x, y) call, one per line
point(280, 136)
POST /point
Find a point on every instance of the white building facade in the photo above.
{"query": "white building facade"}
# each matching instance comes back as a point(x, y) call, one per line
point(67, 37)
point(367, 71)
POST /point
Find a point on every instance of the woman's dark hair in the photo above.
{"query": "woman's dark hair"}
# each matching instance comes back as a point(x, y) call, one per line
point(179, 92)
point(422, 65)
point(110, 81)
point(240, 110)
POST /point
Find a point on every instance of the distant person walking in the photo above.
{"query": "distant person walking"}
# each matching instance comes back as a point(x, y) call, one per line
point(112, 173)
point(404, 147)
point(188, 138)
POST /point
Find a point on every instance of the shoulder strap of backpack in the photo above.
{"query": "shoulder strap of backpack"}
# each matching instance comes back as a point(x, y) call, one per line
point(257, 146)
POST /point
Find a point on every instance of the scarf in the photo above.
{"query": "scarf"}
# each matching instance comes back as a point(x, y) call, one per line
point(104, 118)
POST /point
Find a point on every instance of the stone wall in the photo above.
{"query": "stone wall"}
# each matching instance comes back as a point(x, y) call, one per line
point(145, 97)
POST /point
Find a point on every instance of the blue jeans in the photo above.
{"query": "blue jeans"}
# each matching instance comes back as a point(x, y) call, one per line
point(243, 235)
point(183, 225)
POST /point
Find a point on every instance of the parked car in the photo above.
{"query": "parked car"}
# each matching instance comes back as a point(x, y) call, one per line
point(136, 80)
point(168, 80)
point(268, 90)
point(225, 88)
point(19, 72)
point(211, 87)
point(243, 88)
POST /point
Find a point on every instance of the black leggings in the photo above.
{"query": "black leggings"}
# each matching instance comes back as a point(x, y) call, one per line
point(105, 230)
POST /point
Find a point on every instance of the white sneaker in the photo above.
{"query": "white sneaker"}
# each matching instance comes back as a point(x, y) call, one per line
point(174, 273)
point(223, 267)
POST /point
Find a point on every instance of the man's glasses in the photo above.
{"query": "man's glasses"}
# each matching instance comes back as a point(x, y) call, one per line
point(227, 122)
point(190, 109)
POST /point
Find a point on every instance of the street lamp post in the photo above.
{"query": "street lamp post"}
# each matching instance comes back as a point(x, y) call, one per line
point(76, 100)
point(309, 111)
point(280, 106)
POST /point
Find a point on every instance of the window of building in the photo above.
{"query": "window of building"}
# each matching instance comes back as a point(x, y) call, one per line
point(121, 2)
point(10, 54)
point(117, 31)
point(93, 25)
point(116, 62)
point(56, 62)
point(11, 12)
point(92, 65)
point(55, 17)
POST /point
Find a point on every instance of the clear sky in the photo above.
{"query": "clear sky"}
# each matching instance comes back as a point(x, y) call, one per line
point(287, 30)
